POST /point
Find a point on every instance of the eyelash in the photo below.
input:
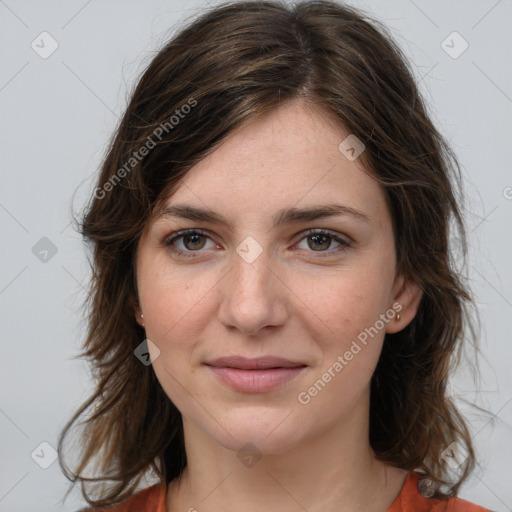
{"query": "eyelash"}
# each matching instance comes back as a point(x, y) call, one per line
point(168, 242)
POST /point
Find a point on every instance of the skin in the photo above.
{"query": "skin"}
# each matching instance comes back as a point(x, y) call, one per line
point(301, 298)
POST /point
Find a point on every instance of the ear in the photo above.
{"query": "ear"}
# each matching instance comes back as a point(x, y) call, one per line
point(138, 315)
point(406, 301)
point(137, 312)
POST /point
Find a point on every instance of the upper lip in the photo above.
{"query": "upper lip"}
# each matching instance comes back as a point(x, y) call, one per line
point(258, 363)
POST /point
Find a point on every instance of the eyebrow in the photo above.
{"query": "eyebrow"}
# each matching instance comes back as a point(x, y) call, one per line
point(283, 217)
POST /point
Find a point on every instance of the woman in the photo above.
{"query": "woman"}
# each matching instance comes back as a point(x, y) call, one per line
point(274, 311)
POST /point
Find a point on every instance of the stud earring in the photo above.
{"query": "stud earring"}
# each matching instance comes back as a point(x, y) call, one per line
point(398, 317)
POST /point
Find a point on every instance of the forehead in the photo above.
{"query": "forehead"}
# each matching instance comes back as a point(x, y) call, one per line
point(288, 157)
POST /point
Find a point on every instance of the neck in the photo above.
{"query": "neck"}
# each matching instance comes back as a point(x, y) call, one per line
point(337, 471)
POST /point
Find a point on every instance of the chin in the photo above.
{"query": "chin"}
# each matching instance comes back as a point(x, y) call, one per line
point(262, 427)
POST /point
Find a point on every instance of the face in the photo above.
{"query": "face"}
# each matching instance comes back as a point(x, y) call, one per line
point(266, 323)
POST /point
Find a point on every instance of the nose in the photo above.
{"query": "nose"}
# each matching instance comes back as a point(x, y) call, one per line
point(254, 296)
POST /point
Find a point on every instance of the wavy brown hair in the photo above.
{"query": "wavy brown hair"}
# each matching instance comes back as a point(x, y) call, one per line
point(231, 64)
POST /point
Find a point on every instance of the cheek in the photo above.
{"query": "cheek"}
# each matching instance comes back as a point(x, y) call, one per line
point(178, 305)
point(344, 303)
point(177, 302)
point(343, 322)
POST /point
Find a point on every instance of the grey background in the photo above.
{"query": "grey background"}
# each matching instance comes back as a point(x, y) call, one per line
point(57, 115)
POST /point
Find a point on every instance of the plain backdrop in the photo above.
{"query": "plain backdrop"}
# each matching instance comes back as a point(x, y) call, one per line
point(57, 113)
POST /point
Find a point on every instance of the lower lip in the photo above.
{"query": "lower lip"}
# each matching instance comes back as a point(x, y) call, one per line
point(255, 381)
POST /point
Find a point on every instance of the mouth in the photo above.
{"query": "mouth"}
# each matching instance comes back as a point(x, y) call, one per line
point(258, 363)
point(255, 375)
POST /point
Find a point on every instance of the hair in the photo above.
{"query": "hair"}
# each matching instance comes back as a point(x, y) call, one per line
point(233, 63)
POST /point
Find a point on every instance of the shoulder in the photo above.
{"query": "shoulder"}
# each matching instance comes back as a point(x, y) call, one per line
point(456, 505)
point(151, 499)
point(460, 505)
point(411, 500)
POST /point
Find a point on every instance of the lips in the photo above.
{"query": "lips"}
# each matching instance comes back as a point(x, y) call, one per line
point(255, 375)
point(259, 363)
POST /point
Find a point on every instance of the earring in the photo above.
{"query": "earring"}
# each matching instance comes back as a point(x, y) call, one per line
point(398, 317)
point(142, 318)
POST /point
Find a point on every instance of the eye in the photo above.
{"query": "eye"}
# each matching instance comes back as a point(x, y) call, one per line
point(321, 240)
point(192, 240)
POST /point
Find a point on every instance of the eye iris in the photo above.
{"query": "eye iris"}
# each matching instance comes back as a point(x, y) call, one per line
point(326, 241)
point(194, 237)
point(321, 241)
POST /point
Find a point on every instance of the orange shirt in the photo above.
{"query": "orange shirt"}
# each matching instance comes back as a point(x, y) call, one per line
point(153, 499)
